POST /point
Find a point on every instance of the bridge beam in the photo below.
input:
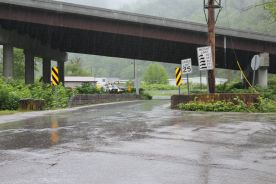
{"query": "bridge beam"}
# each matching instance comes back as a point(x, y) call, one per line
point(32, 48)
point(11, 37)
point(8, 61)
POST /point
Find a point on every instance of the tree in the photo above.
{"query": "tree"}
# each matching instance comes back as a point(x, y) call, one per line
point(19, 64)
point(73, 68)
point(156, 74)
point(271, 7)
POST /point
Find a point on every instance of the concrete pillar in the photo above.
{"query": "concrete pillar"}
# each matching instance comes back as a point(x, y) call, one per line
point(262, 77)
point(61, 71)
point(8, 61)
point(262, 74)
point(29, 67)
point(46, 70)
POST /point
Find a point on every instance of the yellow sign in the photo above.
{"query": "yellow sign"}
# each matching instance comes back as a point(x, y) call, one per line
point(178, 78)
point(129, 88)
point(55, 78)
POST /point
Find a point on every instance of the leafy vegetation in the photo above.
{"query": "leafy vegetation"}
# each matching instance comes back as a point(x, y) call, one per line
point(271, 7)
point(156, 74)
point(267, 101)
point(219, 106)
point(74, 68)
point(87, 88)
point(269, 93)
point(7, 112)
point(264, 105)
point(12, 91)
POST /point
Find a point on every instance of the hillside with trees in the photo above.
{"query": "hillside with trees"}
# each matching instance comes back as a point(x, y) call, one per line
point(244, 15)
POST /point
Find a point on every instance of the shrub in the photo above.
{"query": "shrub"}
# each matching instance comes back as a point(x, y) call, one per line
point(12, 91)
point(8, 99)
point(87, 88)
point(264, 105)
point(219, 106)
point(146, 96)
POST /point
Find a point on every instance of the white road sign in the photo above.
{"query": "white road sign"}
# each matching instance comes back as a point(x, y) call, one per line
point(186, 66)
point(255, 62)
point(205, 61)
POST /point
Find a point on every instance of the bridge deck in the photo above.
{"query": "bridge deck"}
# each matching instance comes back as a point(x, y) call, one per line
point(90, 30)
point(134, 17)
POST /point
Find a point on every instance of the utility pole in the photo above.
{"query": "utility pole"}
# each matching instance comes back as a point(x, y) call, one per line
point(211, 5)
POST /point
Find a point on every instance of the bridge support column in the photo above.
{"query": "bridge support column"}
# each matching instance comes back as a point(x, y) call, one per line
point(29, 67)
point(61, 71)
point(47, 70)
point(262, 75)
point(8, 61)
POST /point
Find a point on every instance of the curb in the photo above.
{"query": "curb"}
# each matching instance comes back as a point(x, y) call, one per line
point(27, 115)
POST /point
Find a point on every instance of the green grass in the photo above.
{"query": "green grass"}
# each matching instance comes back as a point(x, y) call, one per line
point(162, 92)
point(172, 92)
point(7, 112)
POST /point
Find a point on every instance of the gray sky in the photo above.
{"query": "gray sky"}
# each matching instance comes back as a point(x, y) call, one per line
point(114, 4)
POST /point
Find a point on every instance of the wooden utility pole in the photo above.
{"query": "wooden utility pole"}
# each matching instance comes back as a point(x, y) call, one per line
point(212, 43)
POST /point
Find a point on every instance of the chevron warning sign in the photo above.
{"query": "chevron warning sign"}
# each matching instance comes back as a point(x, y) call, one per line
point(178, 74)
point(55, 78)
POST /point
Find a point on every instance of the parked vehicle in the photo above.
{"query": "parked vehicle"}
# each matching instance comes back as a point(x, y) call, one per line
point(112, 88)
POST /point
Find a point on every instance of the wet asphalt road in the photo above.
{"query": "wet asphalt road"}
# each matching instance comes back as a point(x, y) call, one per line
point(141, 142)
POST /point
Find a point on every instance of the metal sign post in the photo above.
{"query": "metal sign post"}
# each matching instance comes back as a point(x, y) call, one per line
point(200, 75)
point(188, 84)
point(187, 68)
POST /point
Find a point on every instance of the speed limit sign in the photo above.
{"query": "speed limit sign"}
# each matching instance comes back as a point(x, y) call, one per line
point(186, 66)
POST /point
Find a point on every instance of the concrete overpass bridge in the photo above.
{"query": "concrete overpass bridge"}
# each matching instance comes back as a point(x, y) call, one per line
point(49, 29)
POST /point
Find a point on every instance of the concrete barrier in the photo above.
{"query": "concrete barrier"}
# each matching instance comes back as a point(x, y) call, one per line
point(31, 105)
point(88, 99)
point(228, 97)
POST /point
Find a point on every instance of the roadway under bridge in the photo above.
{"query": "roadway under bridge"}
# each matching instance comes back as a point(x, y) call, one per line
point(49, 29)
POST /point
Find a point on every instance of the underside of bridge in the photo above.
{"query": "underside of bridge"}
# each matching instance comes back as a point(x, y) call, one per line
point(54, 28)
point(123, 46)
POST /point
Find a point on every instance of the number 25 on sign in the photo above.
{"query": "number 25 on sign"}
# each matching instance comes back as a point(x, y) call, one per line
point(186, 65)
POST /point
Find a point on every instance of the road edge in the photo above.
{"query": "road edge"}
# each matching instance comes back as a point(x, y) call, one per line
point(27, 115)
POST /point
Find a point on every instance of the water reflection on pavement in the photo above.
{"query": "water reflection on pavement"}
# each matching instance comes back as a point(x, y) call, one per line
point(141, 142)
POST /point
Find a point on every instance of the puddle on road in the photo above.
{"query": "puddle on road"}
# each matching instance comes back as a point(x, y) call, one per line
point(95, 127)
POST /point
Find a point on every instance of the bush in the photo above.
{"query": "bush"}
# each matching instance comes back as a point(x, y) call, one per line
point(12, 91)
point(87, 88)
point(146, 96)
point(264, 105)
point(231, 88)
point(269, 92)
point(219, 106)
point(8, 99)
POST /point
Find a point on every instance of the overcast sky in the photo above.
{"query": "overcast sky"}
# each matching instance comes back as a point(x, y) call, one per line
point(114, 4)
